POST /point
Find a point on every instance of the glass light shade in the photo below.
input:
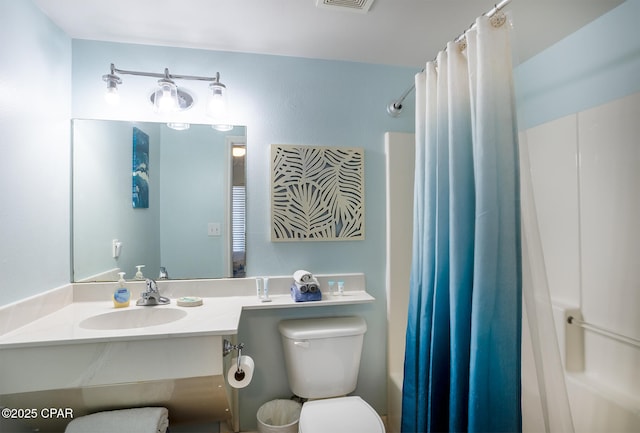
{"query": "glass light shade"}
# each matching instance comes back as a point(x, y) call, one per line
point(165, 99)
point(178, 126)
point(217, 101)
point(222, 127)
point(111, 95)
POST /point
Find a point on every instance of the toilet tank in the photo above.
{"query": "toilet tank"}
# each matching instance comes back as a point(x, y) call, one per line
point(322, 355)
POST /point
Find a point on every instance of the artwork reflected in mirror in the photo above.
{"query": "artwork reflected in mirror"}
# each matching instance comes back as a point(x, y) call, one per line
point(188, 193)
point(140, 178)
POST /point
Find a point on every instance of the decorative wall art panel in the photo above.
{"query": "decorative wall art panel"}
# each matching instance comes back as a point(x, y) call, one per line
point(140, 179)
point(317, 193)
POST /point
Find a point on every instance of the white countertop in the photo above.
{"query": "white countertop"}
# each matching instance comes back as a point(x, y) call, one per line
point(219, 315)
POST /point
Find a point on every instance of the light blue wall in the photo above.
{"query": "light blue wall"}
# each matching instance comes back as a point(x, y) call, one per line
point(596, 64)
point(281, 100)
point(35, 89)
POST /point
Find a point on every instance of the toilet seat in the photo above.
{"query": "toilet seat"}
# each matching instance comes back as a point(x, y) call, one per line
point(339, 415)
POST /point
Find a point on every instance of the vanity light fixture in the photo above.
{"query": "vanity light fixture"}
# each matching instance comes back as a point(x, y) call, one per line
point(168, 97)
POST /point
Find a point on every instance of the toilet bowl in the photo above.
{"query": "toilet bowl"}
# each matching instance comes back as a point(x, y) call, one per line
point(339, 415)
point(322, 359)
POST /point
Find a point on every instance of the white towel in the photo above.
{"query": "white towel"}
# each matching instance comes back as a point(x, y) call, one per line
point(301, 276)
point(141, 420)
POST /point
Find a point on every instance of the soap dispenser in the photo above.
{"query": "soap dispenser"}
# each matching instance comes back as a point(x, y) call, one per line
point(139, 275)
point(122, 295)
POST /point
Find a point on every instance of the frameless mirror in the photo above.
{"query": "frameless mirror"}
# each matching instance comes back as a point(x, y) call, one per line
point(147, 194)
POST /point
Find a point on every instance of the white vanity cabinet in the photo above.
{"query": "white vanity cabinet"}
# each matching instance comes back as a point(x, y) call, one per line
point(184, 374)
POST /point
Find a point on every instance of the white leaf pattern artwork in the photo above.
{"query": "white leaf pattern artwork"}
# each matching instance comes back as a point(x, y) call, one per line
point(317, 193)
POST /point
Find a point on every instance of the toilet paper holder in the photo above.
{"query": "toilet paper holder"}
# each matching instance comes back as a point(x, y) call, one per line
point(227, 348)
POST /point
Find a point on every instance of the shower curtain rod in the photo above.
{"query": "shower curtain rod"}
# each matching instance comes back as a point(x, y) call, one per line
point(395, 107)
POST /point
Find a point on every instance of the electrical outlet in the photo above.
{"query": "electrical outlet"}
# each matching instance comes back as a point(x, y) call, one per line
point(116, 247)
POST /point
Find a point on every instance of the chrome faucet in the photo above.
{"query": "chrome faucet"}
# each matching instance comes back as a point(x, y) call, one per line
point(152, 296)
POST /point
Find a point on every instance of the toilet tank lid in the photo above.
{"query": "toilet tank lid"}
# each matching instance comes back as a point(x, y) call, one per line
point(309, 329)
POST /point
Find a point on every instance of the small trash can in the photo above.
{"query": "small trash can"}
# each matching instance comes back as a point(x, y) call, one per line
point(279, 416)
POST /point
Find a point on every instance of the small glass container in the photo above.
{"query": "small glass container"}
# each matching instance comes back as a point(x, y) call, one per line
point(265, 290)
point(332, 285)
point(259, 285)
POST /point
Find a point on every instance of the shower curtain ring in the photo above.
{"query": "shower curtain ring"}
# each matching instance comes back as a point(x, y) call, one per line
point(498, 19)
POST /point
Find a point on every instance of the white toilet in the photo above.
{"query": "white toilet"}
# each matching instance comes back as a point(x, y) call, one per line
point(322, 358)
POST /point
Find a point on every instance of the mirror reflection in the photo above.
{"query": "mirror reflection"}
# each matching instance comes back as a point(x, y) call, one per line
point(171, 201)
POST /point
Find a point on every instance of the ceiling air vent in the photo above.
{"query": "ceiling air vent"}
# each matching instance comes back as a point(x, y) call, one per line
point(361, 6)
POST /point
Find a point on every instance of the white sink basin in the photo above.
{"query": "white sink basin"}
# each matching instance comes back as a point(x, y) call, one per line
point(133, 318)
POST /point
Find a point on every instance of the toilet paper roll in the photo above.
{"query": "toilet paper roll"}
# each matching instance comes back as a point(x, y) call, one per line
point(241, 379)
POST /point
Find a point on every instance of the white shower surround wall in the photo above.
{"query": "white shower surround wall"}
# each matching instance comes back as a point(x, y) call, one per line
point(585, 173)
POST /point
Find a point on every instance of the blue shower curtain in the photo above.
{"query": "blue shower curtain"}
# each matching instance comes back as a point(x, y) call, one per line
point(462, 360)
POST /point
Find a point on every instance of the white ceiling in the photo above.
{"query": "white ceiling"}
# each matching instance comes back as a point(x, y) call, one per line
point(393, 32)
